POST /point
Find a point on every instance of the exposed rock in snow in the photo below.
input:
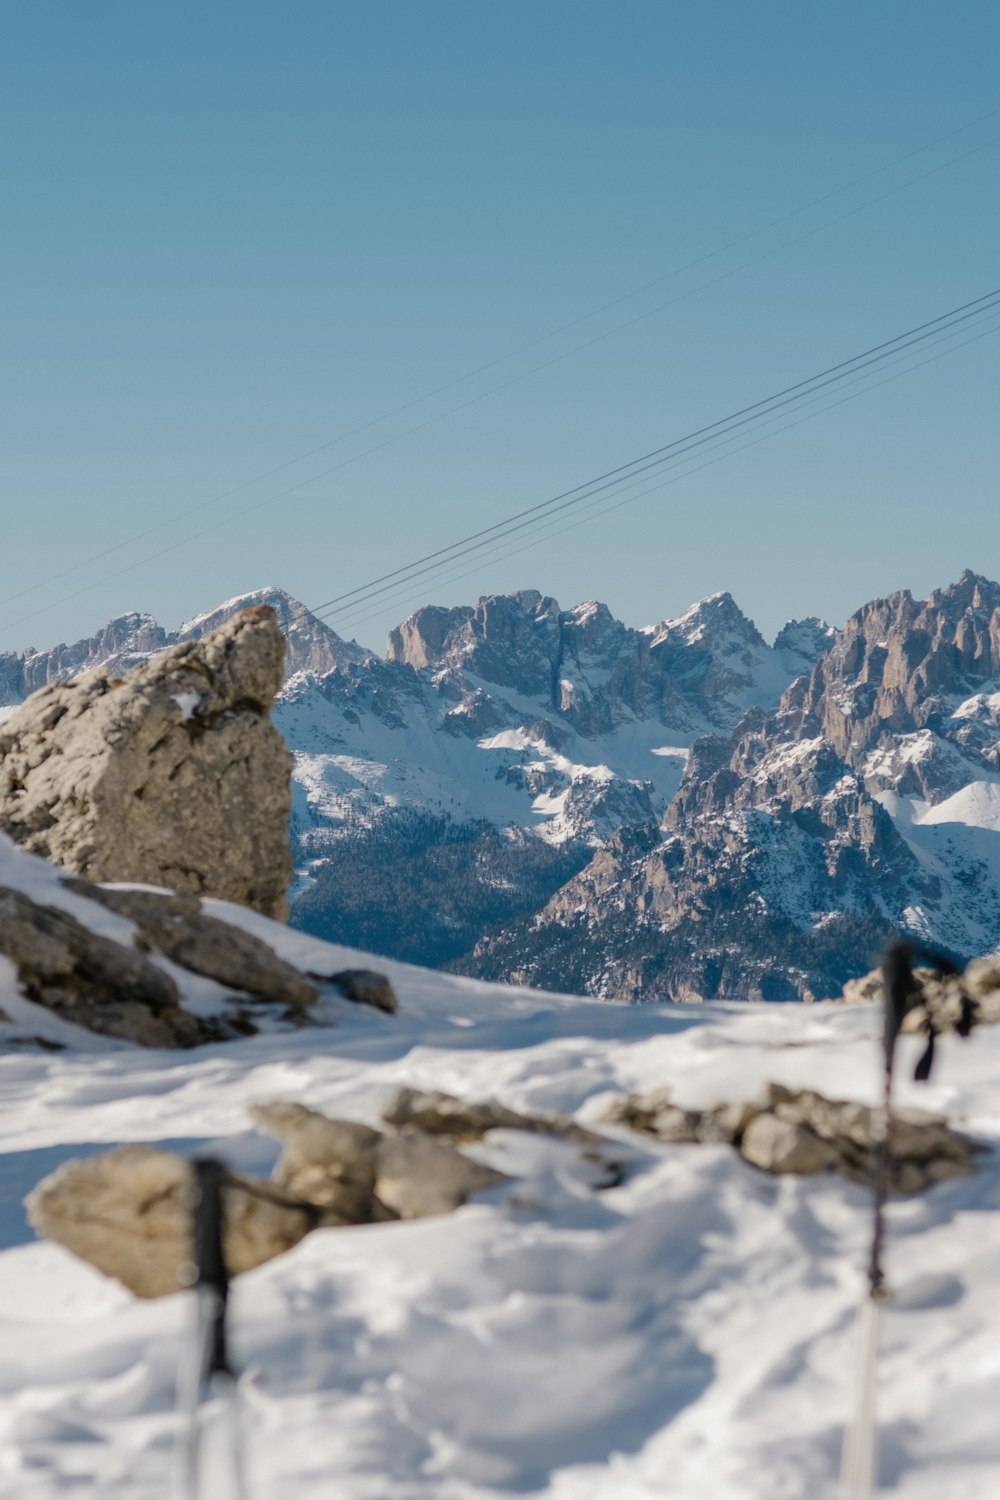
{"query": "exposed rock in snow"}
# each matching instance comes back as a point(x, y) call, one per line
point(177, 928)
point(153, 968)
point(943, 999)
point(690, 1332)
point(416, 1176)
point(364, 987)
point(437, 1113)
point(330, 1163)
point(111, 779)
point(799, 1132)
point(129, 1214)
point(779, 1145)
point(91, 980)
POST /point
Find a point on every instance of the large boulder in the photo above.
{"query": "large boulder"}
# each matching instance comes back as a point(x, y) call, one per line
point(129, 1214)
point(360, 1174)
point(172, 776)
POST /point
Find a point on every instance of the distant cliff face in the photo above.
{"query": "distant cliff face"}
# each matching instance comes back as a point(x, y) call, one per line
point(133, 638)
point(696, 672)
point(121, 645)
point(456, 786)
point(868, 801)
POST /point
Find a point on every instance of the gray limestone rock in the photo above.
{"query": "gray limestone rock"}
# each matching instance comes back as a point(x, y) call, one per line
point(417, 1176)
point(330, 1163)
point(655, 1114)
point(800, 1131)
point(780, 1145)
point(129, 1214)
point(176, 927)
point(173, 776)
point(364, 987)
point(435, 1113)
point(359, 1174)
point(91, 980)
point(941, 996)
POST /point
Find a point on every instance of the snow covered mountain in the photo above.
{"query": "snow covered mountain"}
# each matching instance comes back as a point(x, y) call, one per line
point(459, 783)
point(456, 785)
point(132, 638)
point(683, 810)
point(867, 802)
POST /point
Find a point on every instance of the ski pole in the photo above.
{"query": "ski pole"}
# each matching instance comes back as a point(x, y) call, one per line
point(901, 993)
point(211, 1372)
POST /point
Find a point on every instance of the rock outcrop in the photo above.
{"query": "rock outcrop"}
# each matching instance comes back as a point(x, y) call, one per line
point(362, 1175)
point(177, 928)
point(91, 980)
point(173, 776)
point(127, 979)
point(943, 999)
point(799, 1132)
point(129, 1212)
point(435, 1113)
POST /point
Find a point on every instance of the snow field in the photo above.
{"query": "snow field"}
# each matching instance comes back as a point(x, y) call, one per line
point(690, 1333)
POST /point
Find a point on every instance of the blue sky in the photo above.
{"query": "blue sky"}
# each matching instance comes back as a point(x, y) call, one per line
point(234, 232)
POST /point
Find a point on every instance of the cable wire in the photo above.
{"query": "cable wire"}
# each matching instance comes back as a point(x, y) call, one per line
point(501, 359)
point(353, 620)
point(568, 498)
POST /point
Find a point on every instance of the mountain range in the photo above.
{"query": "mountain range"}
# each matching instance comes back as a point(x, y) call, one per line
point(680, 811)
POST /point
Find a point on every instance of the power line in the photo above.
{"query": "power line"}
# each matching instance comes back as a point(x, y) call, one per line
point(978, 306)
point(501, 359)
point(353, 620)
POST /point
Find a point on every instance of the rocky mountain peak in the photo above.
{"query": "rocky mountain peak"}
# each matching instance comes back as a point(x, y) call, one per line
point(120, 645)
point(511, 640)
point(900, 664)
point(590, 632)
point(971, 592)
point(425, 639)
point(311, 644)
point(714, 620)
point(804, 641)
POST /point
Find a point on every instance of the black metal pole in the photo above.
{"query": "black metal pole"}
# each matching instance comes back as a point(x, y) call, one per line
point(212, 1279)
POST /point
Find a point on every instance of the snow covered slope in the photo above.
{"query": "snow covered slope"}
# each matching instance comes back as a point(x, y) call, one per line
point(688, 1333)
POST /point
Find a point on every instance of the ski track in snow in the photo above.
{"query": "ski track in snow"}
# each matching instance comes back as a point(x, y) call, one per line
point(690, 1333)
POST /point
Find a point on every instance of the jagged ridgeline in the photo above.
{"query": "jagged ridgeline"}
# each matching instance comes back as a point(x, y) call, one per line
point(520, 791)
